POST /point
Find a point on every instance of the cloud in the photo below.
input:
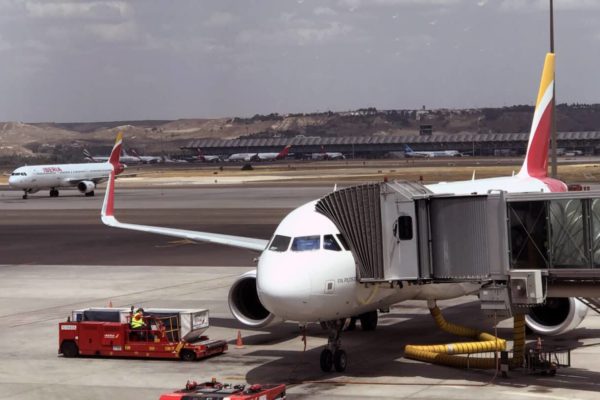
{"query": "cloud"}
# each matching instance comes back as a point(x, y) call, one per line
point(114, 33)
point(324, 11)
point(299, 32)
point(220, 19)
point(536, 5)
point(90, 10)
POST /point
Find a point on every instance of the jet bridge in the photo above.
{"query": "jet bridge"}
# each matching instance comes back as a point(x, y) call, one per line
point(522, 247)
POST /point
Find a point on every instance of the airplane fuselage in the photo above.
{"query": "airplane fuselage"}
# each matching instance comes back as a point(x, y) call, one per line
point(307, 274)
point(36, 177)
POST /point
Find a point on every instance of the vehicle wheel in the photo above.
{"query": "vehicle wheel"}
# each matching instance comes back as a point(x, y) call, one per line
point(326, 360)
point(25, 196)
point(188, 355)
point(69, 349)
point(368, 321)
point(89, 194)
point(340, 360)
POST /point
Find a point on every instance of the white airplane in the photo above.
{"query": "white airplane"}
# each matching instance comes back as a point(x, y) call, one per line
point(327, 155)
point(124, 158)
point(247, 157)
point(85, 177)
point(145, 159)
point(408, 152)
point(307, 273)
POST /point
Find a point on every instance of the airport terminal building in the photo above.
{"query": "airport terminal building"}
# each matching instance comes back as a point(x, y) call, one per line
point(477, 144)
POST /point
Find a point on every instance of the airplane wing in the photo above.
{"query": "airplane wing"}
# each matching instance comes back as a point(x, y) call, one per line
point(109, 219)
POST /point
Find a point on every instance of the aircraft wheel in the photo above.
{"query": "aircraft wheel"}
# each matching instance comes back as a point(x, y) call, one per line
point(89, 194)
point(368, 321)
point(25, 196)
point(326, 360)
point(340, 360)
point(69, 349)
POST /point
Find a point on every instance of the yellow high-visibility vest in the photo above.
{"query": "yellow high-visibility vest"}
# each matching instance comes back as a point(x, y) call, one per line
point(137, 321)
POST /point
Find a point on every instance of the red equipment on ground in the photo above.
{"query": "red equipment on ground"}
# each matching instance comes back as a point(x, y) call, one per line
point(217, 390)
point(108, 332)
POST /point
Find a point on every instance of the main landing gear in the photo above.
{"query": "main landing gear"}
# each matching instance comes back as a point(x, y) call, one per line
point(333, 356)
point(24, 194)
point(89, 194)
point(53, 192)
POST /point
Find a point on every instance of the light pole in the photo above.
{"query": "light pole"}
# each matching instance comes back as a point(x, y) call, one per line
point(553, 129)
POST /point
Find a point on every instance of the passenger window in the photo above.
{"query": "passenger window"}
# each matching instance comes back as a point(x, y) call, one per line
point(280, 243)
point(329, 243)
point(342, 240)
point(304, 243)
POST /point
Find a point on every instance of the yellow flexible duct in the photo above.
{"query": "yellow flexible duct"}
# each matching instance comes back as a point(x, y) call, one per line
point(446, 354)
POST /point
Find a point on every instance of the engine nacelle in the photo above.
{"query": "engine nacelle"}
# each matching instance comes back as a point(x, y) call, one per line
point(86, 186)
point(558, 315)
point(245, 304)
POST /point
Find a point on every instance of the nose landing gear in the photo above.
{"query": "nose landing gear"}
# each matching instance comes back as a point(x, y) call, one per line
point(53, 192)
point(333, 356)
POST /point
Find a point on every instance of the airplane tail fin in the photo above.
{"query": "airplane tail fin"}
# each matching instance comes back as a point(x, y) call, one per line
point(536, 158)
point(283, 153)
point(115, 154)
point(88, 156)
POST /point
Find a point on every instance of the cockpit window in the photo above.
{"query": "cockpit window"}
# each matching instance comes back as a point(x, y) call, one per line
point(342, 240)
point(19, 174)
point(280, 243)
point(329, 243)
point(304, 243)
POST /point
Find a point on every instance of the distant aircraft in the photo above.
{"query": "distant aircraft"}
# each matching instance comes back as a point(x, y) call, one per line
point(145, 159)
point(408, 152)
point(124, 158)
point(327, 155)
point(85, 177)
point(247, 157)
point(306, 271)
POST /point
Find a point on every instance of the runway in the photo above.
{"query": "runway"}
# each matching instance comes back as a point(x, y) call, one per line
point(56, 256)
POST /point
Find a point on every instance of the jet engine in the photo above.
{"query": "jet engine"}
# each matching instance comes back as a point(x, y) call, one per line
point(558, 315)
point(86, 186)
point(245, 304)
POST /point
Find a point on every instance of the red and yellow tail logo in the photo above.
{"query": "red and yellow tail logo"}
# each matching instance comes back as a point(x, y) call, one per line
point(115, 154)
point(536, 159)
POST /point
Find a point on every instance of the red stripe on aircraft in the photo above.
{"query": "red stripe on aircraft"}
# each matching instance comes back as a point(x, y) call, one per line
point(537, 158)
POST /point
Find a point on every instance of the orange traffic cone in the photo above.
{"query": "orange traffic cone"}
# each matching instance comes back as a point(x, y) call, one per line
point(238, 343)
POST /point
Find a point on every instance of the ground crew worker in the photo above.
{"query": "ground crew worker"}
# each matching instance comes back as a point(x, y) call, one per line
point(137, 321)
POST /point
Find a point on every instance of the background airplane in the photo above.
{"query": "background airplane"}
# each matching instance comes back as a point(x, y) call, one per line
point(85, 177)
point(408, 152)
point(307, 271)
point(145, 159)
point(247, 157)
point(124, 158)
point(327, 155)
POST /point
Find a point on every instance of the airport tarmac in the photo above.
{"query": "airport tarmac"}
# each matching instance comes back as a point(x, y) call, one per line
point(56, 256)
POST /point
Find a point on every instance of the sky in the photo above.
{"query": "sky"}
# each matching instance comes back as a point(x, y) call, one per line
point(67, 61)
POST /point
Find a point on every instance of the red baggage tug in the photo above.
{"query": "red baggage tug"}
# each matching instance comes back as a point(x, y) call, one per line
point(167, 333)
point(215, 390)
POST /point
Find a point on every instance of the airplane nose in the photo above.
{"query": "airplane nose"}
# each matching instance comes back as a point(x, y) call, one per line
point(12, 180)
point(281, 290)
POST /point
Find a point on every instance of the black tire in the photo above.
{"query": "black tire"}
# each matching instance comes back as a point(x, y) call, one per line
point(340, 360)
point(326, 360)
point(368, 321)
point(188, 355)
point(69, 349)
point(89, 194)
point(25, 196)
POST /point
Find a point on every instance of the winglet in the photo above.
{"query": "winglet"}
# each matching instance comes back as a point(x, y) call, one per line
point(115, 154)
point(536, 158)
point(107, 212)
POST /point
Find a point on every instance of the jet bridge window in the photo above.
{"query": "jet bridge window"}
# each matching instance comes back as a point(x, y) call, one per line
point(280, 243)
point(329, 243)
point(304, 243)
